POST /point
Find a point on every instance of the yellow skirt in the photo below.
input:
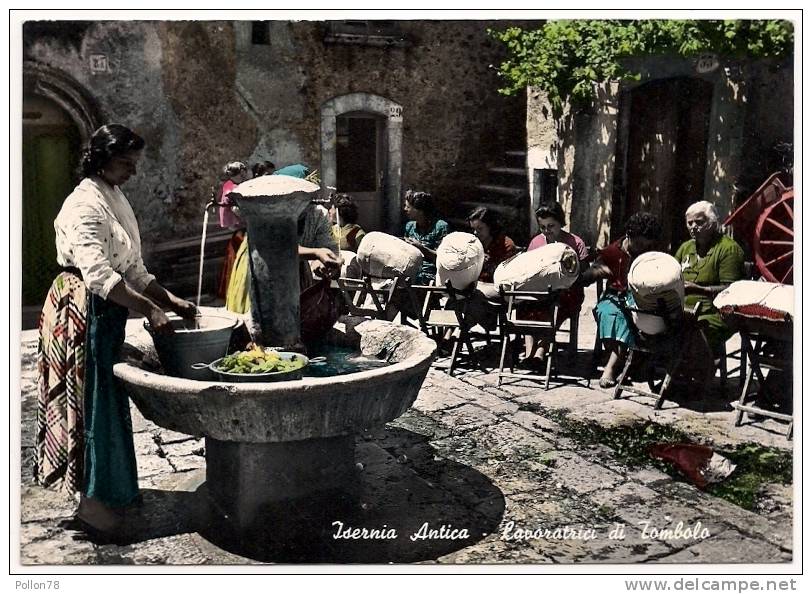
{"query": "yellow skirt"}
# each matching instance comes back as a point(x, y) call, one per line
point(238, 297)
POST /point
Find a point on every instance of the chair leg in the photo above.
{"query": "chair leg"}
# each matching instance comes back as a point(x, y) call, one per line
point(573, 345)
point(550, 356)
point(620, 380)
point(505, 340)
point(746, 346)
point(723, 369)
point(667, 382)
point(454, 352)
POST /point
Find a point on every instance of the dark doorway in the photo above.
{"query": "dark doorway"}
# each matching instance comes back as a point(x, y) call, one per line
point(51, 144)
point(360, 164)
point(665, 154)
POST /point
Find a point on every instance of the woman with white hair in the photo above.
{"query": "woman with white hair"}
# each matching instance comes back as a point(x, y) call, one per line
point(710, 262)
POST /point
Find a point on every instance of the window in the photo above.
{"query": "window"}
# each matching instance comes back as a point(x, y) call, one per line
point(545, 185)
point(260, 33)
point(380, 33)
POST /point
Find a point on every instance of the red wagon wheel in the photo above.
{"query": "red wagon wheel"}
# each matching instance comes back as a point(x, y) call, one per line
point(774, 243)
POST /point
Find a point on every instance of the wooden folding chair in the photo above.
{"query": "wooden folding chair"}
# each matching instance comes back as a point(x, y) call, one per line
point(510, 323)
point(369, 296)
point(667, 347)
point(763, 353)
point(436, 318)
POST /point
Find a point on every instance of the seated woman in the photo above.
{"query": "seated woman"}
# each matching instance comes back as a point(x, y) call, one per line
point(710, 262)
point(550, 219)
point(612, 264)
point(344, 217)
point(484, 223)
point(498, 247)
point(424, 230)
point(261, 168)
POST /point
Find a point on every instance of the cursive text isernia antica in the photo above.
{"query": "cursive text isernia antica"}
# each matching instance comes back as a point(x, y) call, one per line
point(425, 532)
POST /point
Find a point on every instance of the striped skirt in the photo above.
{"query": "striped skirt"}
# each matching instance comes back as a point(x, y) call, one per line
point(61, 365)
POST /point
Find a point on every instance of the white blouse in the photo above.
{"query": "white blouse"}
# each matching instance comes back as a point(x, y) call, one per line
point(96, 232)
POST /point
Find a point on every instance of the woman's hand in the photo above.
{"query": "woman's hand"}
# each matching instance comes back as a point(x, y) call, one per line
point(415, 243)
point(159, 322)
point(329, 263)
point(185, 309)
point(691, 287)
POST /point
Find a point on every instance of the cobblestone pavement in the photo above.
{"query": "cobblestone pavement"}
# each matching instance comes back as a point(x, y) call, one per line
point(497, 472)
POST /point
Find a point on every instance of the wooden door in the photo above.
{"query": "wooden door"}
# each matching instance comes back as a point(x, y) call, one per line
point(360, 165)
point(50, 156)
point(667, 156)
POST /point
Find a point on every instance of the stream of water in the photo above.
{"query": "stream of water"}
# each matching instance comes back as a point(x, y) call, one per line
point(202, 253)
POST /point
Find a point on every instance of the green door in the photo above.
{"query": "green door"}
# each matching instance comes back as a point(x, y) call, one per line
point(49, 156)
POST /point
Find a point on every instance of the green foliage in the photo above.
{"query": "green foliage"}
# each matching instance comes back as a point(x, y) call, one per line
point(567, 58)
point(756, 465)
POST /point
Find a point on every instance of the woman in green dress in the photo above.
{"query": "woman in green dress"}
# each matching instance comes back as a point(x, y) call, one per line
point(710, 262)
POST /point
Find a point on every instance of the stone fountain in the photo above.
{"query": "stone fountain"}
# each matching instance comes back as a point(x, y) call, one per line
point(270, 443)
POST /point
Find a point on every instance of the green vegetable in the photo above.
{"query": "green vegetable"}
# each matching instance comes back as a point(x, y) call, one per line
point(259, 360)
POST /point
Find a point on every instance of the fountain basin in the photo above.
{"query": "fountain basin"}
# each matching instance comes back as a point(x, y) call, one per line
point(270, 444)
point(291, 410)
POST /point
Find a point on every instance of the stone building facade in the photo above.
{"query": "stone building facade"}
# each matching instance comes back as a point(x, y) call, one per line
point(375, 106)
point(676, 136)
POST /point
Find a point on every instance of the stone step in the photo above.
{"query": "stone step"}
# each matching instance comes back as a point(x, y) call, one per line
point(513, 191)
point(518, 171)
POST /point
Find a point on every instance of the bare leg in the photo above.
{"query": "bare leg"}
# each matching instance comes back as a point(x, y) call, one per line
point(617, 352)
point(543, 347)
point(529, 345)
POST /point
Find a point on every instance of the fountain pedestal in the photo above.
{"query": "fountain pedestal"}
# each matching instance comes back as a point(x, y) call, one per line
point(243, 478)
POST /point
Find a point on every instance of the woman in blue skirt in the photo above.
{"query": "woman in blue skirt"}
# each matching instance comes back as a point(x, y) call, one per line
point(84, 432)
point(612, 264)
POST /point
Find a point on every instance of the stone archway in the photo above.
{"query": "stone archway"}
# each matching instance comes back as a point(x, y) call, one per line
point(58, 117)
point(390, 114)
point(63, 90)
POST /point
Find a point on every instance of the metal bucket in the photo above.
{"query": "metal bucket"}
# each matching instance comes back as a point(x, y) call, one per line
point(204, 339)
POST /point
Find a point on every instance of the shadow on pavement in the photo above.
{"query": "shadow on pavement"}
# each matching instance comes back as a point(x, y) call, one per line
point(405, 492)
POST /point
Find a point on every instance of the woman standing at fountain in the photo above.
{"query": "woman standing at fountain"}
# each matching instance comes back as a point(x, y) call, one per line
point(316, 244)
point(84, 431)
point(233, 174)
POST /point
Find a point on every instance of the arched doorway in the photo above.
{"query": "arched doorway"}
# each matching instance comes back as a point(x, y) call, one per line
point(361, 155)
point(57, 119)
point(665, 152)
point(51, 144)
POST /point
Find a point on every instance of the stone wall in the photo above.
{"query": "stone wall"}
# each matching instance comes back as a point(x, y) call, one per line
point(202, 94)
point(751, 110)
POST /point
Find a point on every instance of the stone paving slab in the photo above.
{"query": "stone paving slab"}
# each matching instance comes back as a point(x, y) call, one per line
point(468, 452)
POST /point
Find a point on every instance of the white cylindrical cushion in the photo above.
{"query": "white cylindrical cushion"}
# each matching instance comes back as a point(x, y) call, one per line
point(350, 268)
point(551, 267)
point(648, 323)
point(655, 279)
point(773, 296)
point(459, 259)
point(387, 256)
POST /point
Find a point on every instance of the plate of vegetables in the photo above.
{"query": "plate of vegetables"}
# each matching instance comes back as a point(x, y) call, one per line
point(258, 364)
